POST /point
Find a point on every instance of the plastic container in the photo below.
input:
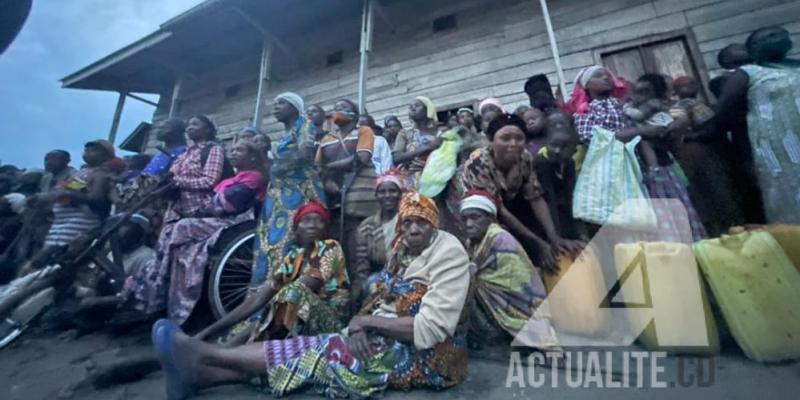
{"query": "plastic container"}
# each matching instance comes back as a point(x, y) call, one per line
point(788, 236)
point(663, 289)
point(573, 306)
point(758, 291)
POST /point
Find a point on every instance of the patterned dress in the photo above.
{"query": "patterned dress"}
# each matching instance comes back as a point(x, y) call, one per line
point(325, 362)
point(774, 130)
point(293, 183)
point(174, 279)
point(662, 182)
point(298, 310)
point(508, 290)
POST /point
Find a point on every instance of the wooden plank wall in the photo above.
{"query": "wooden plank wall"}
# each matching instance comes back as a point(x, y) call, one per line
point(496, 47)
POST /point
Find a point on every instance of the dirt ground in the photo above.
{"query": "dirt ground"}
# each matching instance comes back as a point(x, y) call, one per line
point(41, 366)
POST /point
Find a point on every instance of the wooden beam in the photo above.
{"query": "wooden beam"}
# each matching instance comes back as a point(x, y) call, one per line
point(367, 27)
point(562, 84)
point(112, 136)
point(143, 100)
point(264, 77)
point(176, 92)
point(264, 31)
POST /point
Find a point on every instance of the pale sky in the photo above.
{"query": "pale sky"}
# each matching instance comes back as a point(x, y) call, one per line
point(60, 37)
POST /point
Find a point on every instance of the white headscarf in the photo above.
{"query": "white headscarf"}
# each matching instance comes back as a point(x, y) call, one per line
point(295, 100)
point(480, 202)
point(587, 74)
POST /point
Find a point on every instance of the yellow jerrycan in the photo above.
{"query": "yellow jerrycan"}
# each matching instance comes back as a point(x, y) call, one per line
point(788, 236)
point(662, 289)
point(573, 307)
point(757, 289)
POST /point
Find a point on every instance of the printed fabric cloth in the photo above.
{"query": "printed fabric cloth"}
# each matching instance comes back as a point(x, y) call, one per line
point(297, 309)
point(293, 183)
point(508, 291)
point(774, 129)
point(410, 287)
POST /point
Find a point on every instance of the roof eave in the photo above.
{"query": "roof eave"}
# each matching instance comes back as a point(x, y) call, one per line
point(71, 80)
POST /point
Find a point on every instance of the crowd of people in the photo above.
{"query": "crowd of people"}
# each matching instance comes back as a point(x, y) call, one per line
point(384, 253)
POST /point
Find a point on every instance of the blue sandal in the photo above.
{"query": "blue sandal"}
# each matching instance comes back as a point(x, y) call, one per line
point(162, 336)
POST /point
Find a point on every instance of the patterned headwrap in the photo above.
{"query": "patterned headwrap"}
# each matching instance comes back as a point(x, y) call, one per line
point(392, 176)
point(579, 103)
point(295, 100)
point(481, 200)
point(491, 102)
point(252, 129)
point(313, 207)
point(430, 107)
point(416, 205)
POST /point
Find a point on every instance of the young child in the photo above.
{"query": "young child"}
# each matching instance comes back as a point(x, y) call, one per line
point(537, 124)
point(555, 169)
point(648, 106)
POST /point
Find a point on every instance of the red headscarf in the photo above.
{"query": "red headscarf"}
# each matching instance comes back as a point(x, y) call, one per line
point(579, 103)
point(313, 207)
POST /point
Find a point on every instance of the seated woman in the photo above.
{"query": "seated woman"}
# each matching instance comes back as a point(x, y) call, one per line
point(173, 134)
point(409, 335)
point(375, 236)
point(307, 294)
point(505, 170)
point(506, 285)
point(175, 279)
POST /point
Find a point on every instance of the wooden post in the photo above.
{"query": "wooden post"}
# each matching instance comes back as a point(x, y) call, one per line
point(263, 81)
point(176, 92)
point(554, 47)
point(368, 17)
point(112, 136)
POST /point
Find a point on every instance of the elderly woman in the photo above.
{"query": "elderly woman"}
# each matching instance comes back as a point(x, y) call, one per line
point(505, 169)
point(596, 103)
point(410, 334)
point(292, 184)
point(375, 236)
point(770, 88)
point(506, 285)
point(175, 280)
point(306, 295)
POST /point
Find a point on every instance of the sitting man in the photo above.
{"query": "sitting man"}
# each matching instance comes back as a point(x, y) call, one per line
point(410, 334)
point(507, 288)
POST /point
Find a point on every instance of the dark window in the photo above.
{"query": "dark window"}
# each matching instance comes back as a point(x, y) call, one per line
point(445, 23)
point(232, 91)
point(334, 59)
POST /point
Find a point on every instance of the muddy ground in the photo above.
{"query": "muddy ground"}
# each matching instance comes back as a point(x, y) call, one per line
point(42, 366)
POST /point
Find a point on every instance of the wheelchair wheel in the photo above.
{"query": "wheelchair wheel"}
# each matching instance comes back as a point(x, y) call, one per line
point(229, 278)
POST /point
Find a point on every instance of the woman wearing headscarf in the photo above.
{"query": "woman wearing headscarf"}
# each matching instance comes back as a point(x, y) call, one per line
point(392, 130)
point(306, 295)
point(505, 169)
point(596, 103)
point(292, 184)
point(490, 109)
point(412, 154)
point(771, 88)
point(410, 334)
point(375, 236)
point(507, 287)
point(174, 280)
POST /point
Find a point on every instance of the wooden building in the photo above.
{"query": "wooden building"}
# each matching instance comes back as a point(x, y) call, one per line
point(212, 59)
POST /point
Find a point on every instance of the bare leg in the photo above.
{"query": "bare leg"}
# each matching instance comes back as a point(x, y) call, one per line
point(205, 365)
